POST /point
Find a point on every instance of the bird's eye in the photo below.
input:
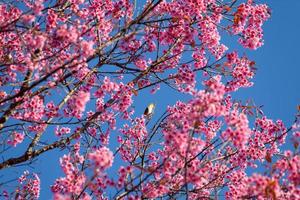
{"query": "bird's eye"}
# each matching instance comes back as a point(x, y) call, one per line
point(37, 51)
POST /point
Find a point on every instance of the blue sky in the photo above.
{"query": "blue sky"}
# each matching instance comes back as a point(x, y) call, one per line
point(277, 84)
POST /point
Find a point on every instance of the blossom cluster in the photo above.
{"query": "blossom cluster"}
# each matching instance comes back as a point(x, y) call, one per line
point(75, 68)
point(29, 187)
point(17, 138)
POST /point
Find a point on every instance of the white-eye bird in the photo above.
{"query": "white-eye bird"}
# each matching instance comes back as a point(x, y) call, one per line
point(149, 110)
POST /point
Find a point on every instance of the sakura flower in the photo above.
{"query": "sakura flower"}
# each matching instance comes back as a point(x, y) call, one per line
point(87, 48)
point(17, 138)
point(102, 158)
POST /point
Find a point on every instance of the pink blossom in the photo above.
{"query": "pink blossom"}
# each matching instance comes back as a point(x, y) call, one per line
point(38, 7)
point(67, 185)
point(102, 158)
point(28, 18)
point(248, 20)
point(87, 48)
point(17, 138)
point(29, 186)
point(141, 64)
point(62, 131)
point(76, 105)
point(200, 59)
point(51, 19)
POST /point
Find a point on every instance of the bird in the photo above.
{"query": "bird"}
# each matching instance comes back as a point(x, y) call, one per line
point(149, 110)
point(36, 54)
